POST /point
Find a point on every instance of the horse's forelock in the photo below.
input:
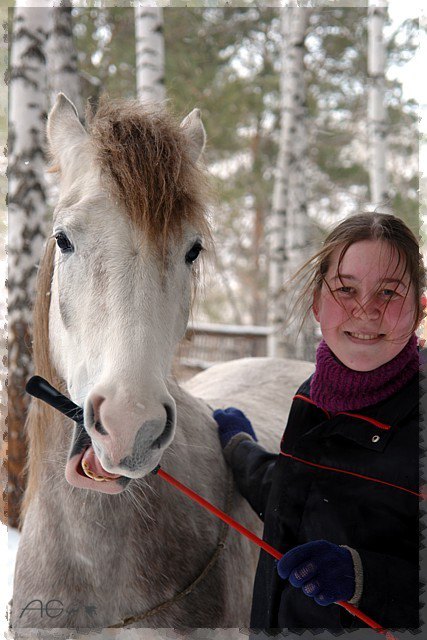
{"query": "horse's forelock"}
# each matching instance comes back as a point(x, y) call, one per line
point(145, 162)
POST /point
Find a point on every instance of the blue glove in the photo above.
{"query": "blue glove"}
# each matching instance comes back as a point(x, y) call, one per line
point(323, 570)
point(231, 421)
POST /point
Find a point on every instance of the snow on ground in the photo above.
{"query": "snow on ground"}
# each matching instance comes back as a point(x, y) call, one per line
point(9, 539)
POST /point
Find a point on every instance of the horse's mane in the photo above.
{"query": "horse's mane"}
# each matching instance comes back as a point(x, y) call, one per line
point(145, 163)
point(40, 414)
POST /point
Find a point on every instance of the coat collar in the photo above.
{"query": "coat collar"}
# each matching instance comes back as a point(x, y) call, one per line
point(386, 414)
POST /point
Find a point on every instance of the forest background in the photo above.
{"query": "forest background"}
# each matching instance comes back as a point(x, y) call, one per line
point(234, 79)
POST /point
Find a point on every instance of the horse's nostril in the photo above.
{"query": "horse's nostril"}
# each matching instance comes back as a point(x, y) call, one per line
point(100, 429)
point(169, 414)
point(96, 402)
point(160, 441)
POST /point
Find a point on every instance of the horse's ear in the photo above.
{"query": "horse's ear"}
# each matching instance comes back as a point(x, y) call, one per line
point(64, 129)
point(196, 133)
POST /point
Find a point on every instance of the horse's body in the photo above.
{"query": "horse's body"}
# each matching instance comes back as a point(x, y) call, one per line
point(97, 552)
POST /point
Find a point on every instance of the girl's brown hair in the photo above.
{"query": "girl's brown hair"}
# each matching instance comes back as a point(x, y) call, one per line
point(363, 226)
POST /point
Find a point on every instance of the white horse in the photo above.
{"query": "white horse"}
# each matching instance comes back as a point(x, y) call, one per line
point(104, 542)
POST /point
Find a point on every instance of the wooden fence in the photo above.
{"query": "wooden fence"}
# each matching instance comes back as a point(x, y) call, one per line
point(204, 344)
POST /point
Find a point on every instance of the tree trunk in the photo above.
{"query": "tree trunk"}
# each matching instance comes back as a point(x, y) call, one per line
point(258, 311)
point(289, 223)
point(3, 326)
point(376, 106)
point(27, 198)
point(62, 58)
point(150, 54)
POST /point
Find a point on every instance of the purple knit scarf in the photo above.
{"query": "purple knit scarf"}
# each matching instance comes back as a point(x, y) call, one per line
point(335, 387)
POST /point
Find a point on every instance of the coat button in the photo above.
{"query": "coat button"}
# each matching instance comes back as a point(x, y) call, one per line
point(375, 439)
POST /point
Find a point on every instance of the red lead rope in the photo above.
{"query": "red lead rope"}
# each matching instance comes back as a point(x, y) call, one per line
point(261, 543)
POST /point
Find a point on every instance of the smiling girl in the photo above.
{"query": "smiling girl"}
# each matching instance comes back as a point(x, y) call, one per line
point(341, 498)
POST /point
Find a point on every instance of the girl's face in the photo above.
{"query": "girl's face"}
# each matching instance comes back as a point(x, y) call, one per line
point(366, 306)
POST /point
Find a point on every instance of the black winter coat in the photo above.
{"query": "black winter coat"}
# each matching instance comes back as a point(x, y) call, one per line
point(352, 479)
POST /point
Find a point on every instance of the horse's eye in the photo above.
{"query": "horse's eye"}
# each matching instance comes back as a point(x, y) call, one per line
point(63, 242)
point(193, 254)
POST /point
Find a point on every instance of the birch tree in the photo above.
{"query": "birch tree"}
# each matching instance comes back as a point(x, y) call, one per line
point(62, 58)
point(289, 222)
point(27, 197)
point(376, 106)
point(150, 54)
point(3, 333)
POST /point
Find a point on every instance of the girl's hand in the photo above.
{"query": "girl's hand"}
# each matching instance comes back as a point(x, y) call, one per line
point(230, 422)
point(323, 570)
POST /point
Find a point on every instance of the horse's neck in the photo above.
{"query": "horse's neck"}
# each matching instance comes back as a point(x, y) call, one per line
point(195, 454)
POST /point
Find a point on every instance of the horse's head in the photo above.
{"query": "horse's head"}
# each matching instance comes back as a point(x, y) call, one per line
point(129, 225)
